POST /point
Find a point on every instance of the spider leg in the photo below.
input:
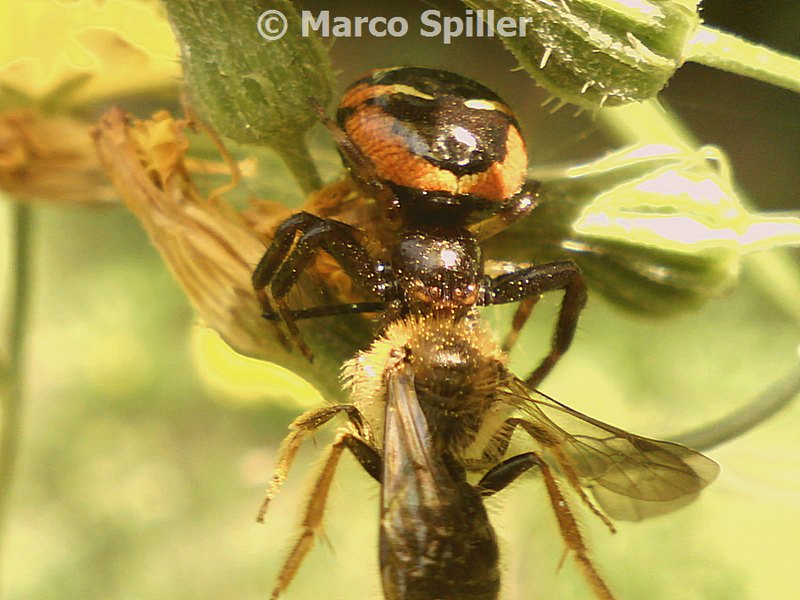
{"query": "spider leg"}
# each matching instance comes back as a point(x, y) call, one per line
point(296, 242)
point(519, 206)
point(532, 282)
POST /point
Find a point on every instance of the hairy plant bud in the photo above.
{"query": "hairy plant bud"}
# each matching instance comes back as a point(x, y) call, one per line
point(597, 53)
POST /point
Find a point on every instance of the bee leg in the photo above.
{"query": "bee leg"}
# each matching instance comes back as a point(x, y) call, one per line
point(554, 446)
point(302, 426)
point(498, 445)
point(534, 281)
point(501, 475)
point(370, 460)
point(289, 255)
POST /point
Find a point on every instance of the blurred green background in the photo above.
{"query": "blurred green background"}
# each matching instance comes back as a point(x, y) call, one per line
point(139, 477)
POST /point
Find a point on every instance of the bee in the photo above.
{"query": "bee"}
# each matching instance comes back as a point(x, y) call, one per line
point(434, 413)
point(433, 417)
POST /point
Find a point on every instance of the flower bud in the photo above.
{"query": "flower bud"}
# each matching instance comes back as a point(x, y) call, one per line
point(597, 53)
point(655, 229)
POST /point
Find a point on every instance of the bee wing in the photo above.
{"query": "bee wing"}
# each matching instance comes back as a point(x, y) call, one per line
point(631, 477)
point(408, 463)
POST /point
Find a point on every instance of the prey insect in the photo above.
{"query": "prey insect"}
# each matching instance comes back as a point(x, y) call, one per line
point(435, 415)
point(458, 427)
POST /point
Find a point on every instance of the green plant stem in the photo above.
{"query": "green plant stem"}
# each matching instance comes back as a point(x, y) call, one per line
point(730, 53)
point(298, 159)
point(740, 421)
point(11, 373)
point(775, 274)
point(646, 122)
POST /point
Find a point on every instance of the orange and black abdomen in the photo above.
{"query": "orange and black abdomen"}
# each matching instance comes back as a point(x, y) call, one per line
point(447, 146)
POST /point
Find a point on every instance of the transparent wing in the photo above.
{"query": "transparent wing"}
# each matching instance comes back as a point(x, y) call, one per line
point(631, 477)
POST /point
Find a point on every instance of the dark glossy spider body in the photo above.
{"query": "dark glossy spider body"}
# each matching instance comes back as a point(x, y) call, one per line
point(431, 400)
point(444, 157)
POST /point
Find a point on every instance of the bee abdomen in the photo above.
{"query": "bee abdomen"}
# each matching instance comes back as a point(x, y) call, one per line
point(444, 552)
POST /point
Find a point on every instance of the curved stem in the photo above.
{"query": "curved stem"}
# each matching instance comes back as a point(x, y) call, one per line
point(11, 373)
point(776, 275)
point(730, 53)
point(646, 121)
point(740, 421)
point(297, 157)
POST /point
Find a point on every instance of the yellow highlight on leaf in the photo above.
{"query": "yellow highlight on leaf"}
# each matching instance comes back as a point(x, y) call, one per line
point(244, 380)
point(126, 46)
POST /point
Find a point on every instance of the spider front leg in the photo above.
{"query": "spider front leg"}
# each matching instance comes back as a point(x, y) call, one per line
point(519, 206)
point(494, 268)
point(530, 283)
point(296, 242)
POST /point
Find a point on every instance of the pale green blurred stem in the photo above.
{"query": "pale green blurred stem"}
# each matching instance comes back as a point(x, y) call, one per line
point(297, 157)
point(730, 53)
point(755, 412)
point(774, 272)
point(12, 370)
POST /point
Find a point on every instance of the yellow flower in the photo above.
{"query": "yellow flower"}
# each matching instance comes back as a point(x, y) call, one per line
point(114, 48)
point(56, 57)
point(212, 249)
point(50, 159)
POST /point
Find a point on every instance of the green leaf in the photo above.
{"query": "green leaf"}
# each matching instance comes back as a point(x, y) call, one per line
point(249, 88)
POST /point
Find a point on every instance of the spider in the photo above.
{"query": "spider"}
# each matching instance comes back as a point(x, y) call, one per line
point(444, 158)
